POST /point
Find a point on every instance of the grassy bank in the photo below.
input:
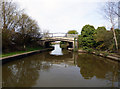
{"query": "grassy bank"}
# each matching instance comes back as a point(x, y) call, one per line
point(99, 52)
point(28, 49)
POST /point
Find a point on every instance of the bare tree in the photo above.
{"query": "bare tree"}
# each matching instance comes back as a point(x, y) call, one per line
point(46, 33)
point(111, 14)
point(0, 29)
point(28, 27)
point(116, 5)
point(119, 14)
point(9, 19)
point(10, 15)
point(17, 28)
point(0, 17)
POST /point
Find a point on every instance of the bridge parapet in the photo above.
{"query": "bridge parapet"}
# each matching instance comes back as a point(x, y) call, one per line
point(58, 39)
point(72, 35)
point(49, 35)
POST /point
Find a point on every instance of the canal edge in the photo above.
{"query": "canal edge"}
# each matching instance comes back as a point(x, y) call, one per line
point(109, 56)
point(22, 55)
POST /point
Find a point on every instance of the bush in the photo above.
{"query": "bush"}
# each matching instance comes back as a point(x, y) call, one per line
point(89, 50)
point(105, 54)
point(97, 53)
point(85, 48)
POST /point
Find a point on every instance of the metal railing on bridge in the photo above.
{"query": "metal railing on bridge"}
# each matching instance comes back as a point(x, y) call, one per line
point(49, 35)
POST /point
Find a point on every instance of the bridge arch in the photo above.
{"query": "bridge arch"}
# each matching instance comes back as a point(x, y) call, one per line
point(70, 38)
point(47, 44)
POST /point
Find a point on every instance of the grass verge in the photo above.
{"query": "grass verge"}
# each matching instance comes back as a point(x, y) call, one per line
point(20, 52)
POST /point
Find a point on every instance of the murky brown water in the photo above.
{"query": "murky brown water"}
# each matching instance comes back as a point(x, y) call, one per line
point(61, 68)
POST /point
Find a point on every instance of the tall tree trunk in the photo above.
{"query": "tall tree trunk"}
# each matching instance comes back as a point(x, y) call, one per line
point(115, 38)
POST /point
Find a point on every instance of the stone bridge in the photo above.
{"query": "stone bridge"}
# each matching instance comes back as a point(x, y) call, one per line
point(52, 37)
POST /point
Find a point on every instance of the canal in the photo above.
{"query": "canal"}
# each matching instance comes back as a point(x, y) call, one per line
point(60, 68)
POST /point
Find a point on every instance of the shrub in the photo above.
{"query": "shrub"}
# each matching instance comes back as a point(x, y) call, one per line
point(97, 53)
point(85, 48)
point(106, 54)
point(89, 50)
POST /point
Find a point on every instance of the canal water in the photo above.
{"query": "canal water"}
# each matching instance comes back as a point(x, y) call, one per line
point(60, 68)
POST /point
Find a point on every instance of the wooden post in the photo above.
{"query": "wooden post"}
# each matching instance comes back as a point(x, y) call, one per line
point(75, 44)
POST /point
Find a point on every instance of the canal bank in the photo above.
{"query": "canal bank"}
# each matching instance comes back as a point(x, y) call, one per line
point(22, 55)
point(112, 57)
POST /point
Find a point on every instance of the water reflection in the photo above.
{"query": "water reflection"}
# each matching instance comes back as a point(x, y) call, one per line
point(70, 69)
point(94, 66)
point(57, 50)
point(20, 73)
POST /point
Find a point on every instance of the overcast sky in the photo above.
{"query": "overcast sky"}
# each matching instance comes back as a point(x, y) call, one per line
point(64, 15)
